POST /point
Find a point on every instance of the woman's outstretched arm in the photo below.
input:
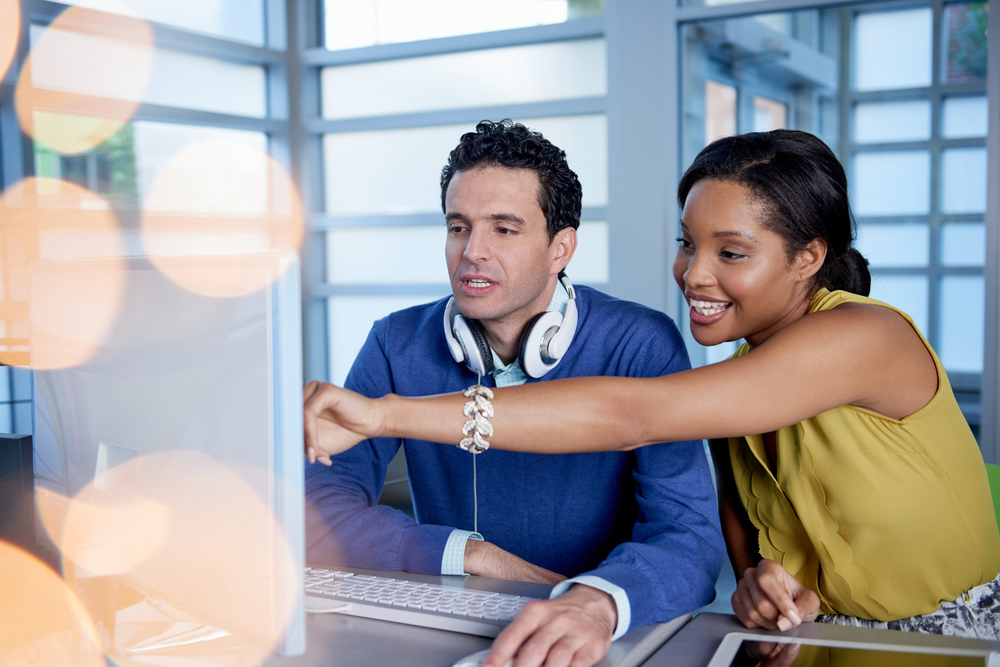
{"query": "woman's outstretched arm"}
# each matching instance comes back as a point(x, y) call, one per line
point(859, 354)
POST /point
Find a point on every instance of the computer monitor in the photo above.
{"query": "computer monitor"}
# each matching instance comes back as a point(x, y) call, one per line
point(185, 403)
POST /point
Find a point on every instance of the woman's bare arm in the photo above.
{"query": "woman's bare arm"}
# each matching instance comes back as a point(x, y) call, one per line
point(858, 354)
point(740, 534)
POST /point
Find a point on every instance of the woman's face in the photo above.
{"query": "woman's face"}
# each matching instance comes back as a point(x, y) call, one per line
point(735, 273)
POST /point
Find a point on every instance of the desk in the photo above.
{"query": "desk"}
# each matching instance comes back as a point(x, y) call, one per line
point(696, 642)
point(350, 641)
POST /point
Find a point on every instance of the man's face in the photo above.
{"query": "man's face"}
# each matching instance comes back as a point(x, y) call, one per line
point(499, 256)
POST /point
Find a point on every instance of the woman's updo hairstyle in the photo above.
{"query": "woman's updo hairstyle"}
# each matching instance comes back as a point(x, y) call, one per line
point(802, 189)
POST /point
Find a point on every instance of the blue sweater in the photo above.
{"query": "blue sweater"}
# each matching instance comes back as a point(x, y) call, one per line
point(644, 520)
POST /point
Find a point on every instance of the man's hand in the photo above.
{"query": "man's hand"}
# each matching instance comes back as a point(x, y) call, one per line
point(489, 560)
point(769, 597)
point(335, 420)
point(573, 630)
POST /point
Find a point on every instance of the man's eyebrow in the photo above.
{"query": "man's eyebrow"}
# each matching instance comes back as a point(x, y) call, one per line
point(496, 217)
point(508, 217)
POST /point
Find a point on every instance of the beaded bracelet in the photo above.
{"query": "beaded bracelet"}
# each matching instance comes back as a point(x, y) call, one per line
point(478, 411)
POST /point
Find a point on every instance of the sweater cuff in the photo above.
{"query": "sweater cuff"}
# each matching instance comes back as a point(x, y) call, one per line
point(453, 559)
point(616, 592)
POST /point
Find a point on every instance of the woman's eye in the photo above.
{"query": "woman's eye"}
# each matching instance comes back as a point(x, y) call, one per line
point(684, 243)
point(730, 255)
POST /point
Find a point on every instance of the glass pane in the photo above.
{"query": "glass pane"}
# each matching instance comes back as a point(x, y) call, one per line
point(895, 245)
point(908, 293)
point(961, 323)
point(5, 394)
point(965, 36)
point(963, 244)
point(891, 183)
point(884, 122)
point(589, 265)
point(386, 255)
point(6, 418)
point(197, 82)
point(398, 171)
point(963, 180)
point(768, 115)
point(23, 414)
point(774, 59)
point(350, 318)
point(354, 23)
point(892, 49)
point(177, 79)
point(241, 20)
point(720, 111)
point(518, 74)
point(156, 143)
point(964, 117)
point(22, 383)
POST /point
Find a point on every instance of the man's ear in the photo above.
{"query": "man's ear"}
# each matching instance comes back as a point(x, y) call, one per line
point(561, 248)
point(810, 259)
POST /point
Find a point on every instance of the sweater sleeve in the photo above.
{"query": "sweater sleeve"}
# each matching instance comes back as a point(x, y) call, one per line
point(671, 565)
point(345, 525)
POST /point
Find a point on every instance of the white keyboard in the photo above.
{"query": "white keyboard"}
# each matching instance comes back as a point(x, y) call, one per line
point(470, 611)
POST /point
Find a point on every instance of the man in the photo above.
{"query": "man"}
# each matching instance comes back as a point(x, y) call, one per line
point(637, 532)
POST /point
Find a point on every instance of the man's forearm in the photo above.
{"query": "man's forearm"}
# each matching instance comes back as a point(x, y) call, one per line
point(488, 560)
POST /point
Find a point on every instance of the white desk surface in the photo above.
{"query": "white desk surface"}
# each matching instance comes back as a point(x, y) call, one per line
point(349, 641)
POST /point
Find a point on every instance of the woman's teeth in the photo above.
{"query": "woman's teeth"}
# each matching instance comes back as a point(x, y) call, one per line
point(706, 308)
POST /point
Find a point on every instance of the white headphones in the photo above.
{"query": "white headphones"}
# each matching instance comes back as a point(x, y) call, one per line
point(544, 342)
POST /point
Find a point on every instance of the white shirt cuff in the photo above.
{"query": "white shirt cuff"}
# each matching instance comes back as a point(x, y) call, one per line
point(616, 592)
point(453, 559)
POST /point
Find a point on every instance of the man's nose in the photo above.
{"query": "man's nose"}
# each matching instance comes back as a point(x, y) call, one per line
point(478, 246)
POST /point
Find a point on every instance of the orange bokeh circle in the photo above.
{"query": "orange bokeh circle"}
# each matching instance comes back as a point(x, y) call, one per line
point(186, 530)
point(10, 28)
point(213, 210)
point(56, 312)
point(42, 623)
point(77, 88)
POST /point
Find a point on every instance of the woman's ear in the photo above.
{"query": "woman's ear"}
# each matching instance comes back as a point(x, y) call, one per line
point(810, 259)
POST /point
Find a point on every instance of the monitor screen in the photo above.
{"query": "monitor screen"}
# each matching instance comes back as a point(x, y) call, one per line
point(168, 453)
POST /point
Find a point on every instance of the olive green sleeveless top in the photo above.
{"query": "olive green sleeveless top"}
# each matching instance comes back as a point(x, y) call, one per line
point(883, 518)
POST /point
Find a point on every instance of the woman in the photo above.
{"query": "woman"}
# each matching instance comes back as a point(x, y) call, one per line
point(850, 485)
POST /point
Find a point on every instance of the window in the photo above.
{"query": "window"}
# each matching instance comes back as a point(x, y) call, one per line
point(387, 124)
point(908, 123)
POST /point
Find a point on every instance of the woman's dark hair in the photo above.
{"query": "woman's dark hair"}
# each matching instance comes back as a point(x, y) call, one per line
point(802, 189)
point(512, 145)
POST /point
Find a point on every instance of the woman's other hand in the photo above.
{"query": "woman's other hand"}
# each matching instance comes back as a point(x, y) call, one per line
point(335, 420)
point(769, 597)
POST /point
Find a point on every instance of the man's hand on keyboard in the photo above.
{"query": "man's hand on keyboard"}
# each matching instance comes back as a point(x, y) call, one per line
point(489, 560)
point(573, 629)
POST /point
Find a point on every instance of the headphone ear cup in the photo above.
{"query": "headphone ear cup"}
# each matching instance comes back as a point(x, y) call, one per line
point(523, 353)
point(481, 345)
point(531, 353)
point(476, 351)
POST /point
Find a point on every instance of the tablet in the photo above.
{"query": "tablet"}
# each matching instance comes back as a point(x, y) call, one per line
point(739, 649)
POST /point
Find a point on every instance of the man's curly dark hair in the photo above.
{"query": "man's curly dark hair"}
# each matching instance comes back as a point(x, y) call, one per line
point(512, 145)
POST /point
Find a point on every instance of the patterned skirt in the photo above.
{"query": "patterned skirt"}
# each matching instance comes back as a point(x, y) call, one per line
point(974, 614)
